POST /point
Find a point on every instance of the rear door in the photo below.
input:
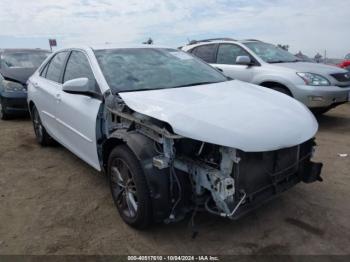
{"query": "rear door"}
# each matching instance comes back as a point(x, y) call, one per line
point(226, 61)
point(47, 88)
point(77, 114)
point(206, 52)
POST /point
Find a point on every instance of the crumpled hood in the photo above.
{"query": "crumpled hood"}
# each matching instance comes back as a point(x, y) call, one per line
point(233, 114)
point(320, 69)
point(17, 74)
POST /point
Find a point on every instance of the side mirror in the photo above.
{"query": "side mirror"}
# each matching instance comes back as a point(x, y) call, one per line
point(79, 86)
point(243, 60)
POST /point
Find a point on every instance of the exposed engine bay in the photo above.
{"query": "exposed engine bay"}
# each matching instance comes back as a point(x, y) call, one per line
point(224, 181)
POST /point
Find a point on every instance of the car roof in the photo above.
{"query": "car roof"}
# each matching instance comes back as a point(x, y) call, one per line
point(220, 41)
point(117, 46)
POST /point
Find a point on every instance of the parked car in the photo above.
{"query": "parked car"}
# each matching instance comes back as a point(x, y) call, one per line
point(346, 63)
point(16, 66)
point(318, 86)
point(304, 58)
point(173, 134)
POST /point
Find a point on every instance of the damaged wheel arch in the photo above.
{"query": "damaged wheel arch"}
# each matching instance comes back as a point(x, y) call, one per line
point(157, 180)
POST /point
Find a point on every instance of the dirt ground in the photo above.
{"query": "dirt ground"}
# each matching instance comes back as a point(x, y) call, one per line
point(53, 203)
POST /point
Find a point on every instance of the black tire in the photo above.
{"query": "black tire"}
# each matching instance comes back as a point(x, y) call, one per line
point(320, 111)
point(282, 90)
point(3, 114)
point(41, 134)
point(129, 188)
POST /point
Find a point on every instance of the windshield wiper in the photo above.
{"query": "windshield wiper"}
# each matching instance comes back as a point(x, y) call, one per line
point(278, 61)
point(151, 89)
point(284, 61)
point(196, 84)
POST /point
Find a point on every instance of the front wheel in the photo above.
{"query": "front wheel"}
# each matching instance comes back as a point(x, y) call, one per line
point(282, 90)
point(129, 188)
point(320, 111)
point(3, 114)
point(42, 136)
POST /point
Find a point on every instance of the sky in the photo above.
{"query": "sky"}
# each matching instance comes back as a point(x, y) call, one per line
point(308, 25)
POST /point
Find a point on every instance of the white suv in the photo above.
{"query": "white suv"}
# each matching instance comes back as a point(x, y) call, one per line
point(320, 87)
point(172, 133)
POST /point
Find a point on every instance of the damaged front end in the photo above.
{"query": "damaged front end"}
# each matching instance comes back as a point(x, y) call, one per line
point(185, 175)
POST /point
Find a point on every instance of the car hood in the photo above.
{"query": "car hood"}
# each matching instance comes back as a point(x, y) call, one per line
point(17, 74)
point(233, 114)
point(315, 68)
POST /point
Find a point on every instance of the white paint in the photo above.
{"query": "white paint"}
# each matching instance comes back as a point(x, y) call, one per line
point(233, 114)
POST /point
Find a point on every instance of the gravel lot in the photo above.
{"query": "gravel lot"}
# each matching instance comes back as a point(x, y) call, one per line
point(53, 203)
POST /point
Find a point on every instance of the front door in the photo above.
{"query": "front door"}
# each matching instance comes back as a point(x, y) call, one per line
point(226, 61)
point(77, 114)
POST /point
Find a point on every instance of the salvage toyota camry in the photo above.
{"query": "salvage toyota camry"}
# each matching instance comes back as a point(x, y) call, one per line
point(173, 134)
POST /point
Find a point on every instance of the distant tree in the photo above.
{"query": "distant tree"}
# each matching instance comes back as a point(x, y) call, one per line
point(284, 47)
point(149, 42)
point(299, 54)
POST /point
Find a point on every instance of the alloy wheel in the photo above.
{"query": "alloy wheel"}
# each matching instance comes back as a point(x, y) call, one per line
point(124, 188)
point(38, 128)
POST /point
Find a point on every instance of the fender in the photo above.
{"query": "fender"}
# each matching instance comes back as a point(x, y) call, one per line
point(258, 80)
point(157, 180)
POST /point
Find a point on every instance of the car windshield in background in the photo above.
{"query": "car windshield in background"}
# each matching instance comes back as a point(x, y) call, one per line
point(23, 59)
point(270, 53)
point(136, 69)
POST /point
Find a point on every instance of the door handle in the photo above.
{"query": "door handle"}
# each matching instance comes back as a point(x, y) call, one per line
point(35, 84)
point(58, 98)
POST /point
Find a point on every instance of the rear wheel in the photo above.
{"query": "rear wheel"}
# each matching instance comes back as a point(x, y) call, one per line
point(129, 188)
point(3, 114)
point(42, 136)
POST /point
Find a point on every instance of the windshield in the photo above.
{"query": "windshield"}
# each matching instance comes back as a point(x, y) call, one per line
point(137, 69)
point(270, 53)
point(23, 59)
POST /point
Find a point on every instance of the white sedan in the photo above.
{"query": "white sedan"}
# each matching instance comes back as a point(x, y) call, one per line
point(173, 134)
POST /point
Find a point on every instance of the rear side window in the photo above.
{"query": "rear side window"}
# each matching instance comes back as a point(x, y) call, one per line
point(227, 54)
point(54, 70)
point(205, 52)
point(78, 66)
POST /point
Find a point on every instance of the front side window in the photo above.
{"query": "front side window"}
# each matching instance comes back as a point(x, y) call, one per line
point(270, 53)
point(54, 70)
point(135, 69)
point(228, 53)
point(44, 70)
point(23, 59)
point(205, 52)
point(78, 66)
point(347, 57)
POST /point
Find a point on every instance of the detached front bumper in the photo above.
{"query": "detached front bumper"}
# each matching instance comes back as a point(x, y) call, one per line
point(322, 96)
point(14, 103)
